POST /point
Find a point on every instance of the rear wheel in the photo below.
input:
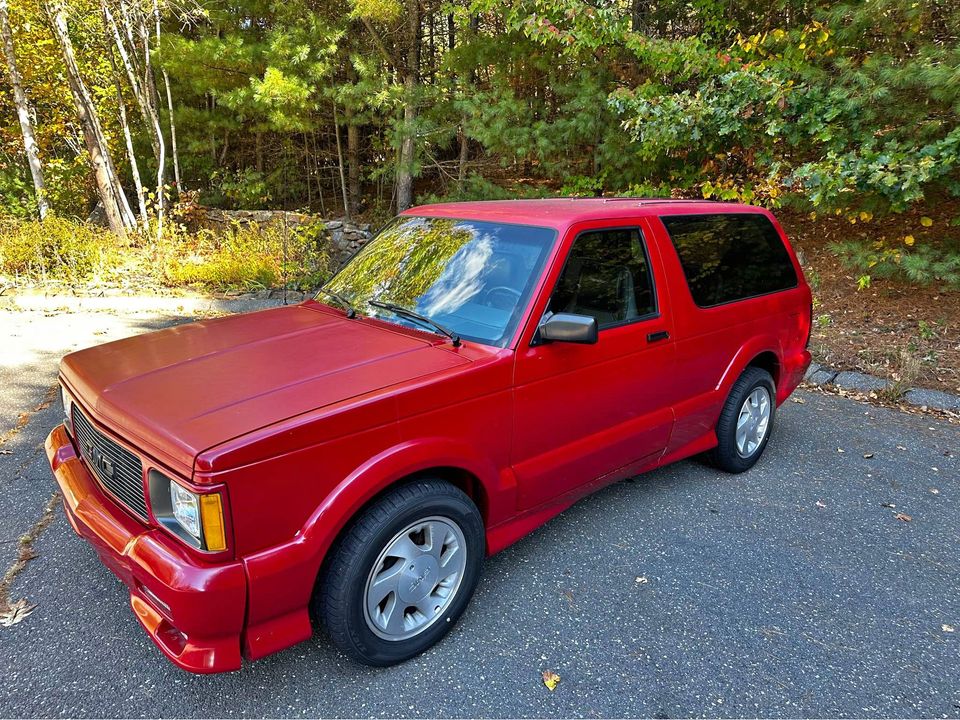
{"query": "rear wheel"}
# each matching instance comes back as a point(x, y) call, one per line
point(403, 573)
point(746, 421)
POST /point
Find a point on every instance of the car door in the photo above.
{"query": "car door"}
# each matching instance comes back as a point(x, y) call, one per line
point(582, 411)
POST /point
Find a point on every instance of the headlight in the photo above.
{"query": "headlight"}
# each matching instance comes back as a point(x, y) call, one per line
point(186, 510)
point(196, 518)
point(66, 402)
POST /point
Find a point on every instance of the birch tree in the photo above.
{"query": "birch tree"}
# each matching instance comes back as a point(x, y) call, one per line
point(116, 208)
point(24, 114)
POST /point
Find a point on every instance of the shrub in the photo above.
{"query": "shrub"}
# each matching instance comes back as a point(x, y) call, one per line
point(246, 257)
point(921, 265)
point(57, 249)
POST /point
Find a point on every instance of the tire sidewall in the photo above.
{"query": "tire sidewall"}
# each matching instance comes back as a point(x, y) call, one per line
point(378, 651)
point(728, 456)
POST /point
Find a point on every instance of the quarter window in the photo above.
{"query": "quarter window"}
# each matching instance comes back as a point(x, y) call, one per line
point(607, 276)
point(730, 256)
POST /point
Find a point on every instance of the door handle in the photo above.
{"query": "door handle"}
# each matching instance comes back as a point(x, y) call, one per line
point(657, 336)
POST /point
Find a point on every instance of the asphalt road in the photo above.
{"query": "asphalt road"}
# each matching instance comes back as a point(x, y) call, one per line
point(792, 590)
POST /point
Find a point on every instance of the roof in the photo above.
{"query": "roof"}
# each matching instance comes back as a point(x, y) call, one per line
point(561, 212)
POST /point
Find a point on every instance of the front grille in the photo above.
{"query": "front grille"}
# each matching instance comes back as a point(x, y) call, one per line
point(117, 469)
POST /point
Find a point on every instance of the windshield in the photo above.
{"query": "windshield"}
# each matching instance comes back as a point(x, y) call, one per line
point(472, 277)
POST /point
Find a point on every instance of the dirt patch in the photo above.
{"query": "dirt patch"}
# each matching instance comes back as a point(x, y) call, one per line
point(893, 329)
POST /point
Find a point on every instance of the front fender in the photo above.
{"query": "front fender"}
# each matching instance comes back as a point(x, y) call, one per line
point(281, 579)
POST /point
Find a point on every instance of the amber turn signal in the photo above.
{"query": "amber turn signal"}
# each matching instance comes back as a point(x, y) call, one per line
point(211, 515)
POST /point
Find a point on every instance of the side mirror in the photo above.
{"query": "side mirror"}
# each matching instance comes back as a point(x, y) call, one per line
point(565, 327)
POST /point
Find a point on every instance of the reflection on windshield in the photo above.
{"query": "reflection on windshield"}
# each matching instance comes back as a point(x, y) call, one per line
point(473, 277)
point(461, 279)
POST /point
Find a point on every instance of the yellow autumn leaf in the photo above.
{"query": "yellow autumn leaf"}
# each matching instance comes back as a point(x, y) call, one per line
point(925, 221)
point(551, 680)
point(866, 217)
point(909, 240)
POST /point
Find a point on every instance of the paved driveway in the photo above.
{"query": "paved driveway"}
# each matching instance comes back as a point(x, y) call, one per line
point(792, 590)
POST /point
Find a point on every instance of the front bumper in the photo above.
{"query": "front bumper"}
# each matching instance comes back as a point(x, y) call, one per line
point(193, 611)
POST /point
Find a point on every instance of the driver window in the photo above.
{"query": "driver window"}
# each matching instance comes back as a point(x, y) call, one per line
point(607, 276)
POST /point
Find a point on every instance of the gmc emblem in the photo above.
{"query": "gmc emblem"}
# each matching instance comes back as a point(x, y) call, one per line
point(99, 460)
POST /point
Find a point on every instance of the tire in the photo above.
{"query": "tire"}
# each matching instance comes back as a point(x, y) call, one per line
point(728, 455)
point(395, 540)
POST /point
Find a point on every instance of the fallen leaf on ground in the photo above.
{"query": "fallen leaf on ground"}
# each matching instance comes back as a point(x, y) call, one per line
point(867, 456)
point(947, 628)
point(6, 452)
point(903, 516)
point(888, 505)
point(900, 447)
point(821, 504)
point(17, 611)
point(799, 400)
point(641, 580)
point(934, 491)
point(551, 680)
point(840, 450)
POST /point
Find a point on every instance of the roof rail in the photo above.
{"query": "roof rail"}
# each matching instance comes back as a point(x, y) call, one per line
point(655, 200)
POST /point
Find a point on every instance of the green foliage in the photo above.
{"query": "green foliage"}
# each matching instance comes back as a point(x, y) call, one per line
point(56, 249)
point(247, 257)
point(924, 264)
point(476, 187)
point(247, 189)
point(849, 107)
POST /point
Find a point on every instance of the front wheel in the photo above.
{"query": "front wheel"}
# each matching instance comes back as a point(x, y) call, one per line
point(403, 573)
point(746, 421)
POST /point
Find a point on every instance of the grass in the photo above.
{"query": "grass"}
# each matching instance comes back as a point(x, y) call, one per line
point(243, 258)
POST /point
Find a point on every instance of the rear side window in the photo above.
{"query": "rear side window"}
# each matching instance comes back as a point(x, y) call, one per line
point(728, 257)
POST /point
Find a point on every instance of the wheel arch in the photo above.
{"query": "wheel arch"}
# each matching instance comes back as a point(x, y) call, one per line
point(767, 360)
point(762, 352)
point(282, 579)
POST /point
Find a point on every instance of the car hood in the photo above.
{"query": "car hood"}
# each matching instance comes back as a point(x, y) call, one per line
point(182, 390)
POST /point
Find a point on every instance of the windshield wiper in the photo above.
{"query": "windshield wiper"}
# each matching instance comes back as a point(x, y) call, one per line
point(347, 305)
point(414, 315)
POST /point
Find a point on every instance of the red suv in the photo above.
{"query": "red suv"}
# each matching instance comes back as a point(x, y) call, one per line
point(472, 371)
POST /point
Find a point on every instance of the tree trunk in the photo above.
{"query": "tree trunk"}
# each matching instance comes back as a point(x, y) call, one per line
point(353, 161)
point(166, 82)
point(127, 137)
point(23, 113)
point(150, 94)
point(343, 179)
point(461, 131)
point(131, 66)
point(173, 135)
point(407, 145)
point(117, 210)
point(408, 141)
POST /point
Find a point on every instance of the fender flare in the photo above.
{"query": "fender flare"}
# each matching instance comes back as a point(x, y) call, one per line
point(744, 356)
point(281, 578)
